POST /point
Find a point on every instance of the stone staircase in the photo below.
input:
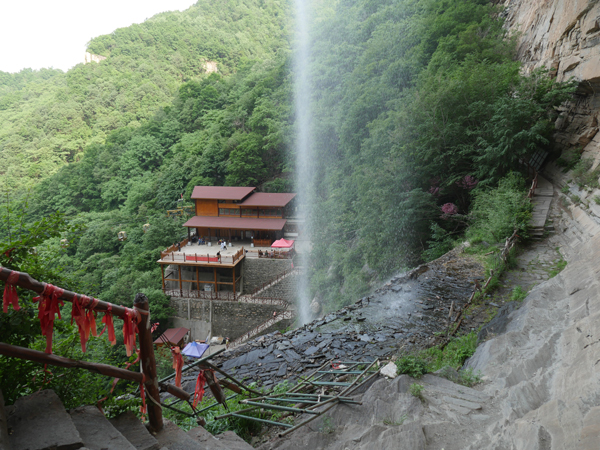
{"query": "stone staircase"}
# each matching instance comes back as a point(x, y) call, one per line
point(40, 422)
point(541, 206)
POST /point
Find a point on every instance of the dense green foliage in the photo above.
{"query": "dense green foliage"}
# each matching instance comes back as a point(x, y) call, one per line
point(48, 118)
point(20, 377)
point(419, 101)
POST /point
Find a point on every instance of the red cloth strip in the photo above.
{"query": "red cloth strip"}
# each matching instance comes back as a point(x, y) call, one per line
point(129, 330)
point(199, 391)
point(107, 320)
point(49, 305)
point(177, 364)
point(10, 292)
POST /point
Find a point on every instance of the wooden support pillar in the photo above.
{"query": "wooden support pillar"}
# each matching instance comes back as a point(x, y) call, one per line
point(197, 279)
point(162, 270)
point(230, 235)
point(234, 282)
point(216, 285)
point(180, 287)
point(189, 234)
point(148, 362)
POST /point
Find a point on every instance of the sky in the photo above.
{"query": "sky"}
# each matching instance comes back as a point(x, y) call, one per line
point(54, 33)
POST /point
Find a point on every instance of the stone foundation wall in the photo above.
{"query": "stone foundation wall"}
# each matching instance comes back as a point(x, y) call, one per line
point(229, 319)
point(286, 289)
point(235, 319)
point(259, 271)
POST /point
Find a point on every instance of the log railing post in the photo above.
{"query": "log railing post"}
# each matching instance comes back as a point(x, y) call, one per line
point(148, 362)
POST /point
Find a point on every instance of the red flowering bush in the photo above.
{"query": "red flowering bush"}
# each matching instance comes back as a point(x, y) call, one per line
point(450, 209)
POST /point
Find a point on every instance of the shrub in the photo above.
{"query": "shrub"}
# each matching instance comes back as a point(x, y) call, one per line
point(412, 365)
point(583, 176)
point(441, 243)
point(497, 212)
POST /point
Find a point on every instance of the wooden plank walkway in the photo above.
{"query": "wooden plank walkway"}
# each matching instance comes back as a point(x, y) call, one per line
point(541, 204)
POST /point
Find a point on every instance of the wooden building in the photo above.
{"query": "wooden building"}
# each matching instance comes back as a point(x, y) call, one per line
point(239, 212)
point(231, 213)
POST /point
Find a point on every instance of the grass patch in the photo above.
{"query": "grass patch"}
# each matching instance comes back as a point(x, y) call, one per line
point(327, 427)
point(395, 423)
point(583, 176)
point(416, 390)
point(558, 268)
point(518, 294)
point(453, 356)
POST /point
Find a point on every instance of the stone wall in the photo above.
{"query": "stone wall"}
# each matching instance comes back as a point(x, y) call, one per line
point(259, 271)
point(235, 319)
point(285, 288)
point(229, 319)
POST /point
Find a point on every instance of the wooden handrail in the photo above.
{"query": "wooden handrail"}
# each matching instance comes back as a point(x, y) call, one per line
point(60, 361)
point(27, 282)
point(148, 363)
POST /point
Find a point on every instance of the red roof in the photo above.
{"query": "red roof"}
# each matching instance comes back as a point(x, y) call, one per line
point(221, 192)
point(172, 336)
point(236, 223)
point(265, 199)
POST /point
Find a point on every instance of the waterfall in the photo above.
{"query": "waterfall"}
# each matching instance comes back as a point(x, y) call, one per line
point(303, 157)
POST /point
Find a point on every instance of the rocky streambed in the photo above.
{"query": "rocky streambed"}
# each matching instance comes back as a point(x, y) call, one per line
point(401, 315)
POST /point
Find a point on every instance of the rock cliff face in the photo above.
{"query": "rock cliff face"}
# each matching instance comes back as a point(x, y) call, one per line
point(564, 36)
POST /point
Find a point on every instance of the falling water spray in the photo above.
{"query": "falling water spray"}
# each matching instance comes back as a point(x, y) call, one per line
point(303, 158)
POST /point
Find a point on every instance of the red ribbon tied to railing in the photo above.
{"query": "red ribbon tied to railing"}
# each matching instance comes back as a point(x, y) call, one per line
point(86, 322)
point(107, 320)
point(177, 364)
point(10, 292)
point(130, 329)
point(199, 391)
point(49, 305)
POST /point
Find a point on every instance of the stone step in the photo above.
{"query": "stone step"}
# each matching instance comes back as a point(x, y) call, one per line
point(96, 431)
point(40, 422)
point(226, 441)
point(174, 438)
point(129, 426)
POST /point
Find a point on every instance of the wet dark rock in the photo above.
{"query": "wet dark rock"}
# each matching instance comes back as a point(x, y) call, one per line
point(311, 350)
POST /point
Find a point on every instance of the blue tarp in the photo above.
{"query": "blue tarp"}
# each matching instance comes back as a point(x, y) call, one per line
point(194, 349)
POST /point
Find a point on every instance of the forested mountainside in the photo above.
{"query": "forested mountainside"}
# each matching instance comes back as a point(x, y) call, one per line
point(48, 118)
point(420, 115)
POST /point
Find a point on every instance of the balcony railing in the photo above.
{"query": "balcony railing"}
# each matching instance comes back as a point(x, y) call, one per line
point(207, 258)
